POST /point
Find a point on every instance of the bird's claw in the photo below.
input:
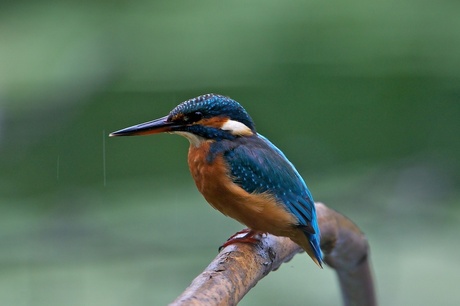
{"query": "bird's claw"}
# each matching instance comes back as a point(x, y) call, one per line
point(247, 238)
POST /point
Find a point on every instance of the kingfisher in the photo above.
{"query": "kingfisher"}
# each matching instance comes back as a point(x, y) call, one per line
point(240, 172)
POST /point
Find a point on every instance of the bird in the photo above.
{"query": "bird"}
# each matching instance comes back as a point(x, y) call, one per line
point(240, 172)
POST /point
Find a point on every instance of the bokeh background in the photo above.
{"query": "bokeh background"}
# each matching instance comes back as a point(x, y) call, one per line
point(362, 96)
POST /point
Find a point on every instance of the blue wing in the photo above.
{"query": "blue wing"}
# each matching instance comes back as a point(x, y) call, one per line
point(260, 167)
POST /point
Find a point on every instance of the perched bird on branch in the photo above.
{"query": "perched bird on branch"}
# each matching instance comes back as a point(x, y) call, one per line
point(240, 172)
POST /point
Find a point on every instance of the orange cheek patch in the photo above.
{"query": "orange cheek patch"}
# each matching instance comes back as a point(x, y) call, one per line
point(178, 117)
point(215, 122)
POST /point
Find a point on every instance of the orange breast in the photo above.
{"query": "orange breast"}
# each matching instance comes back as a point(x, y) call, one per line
point(259, 212)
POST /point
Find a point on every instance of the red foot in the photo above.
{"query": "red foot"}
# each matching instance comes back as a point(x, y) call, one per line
point(247, 231)
point(248, 238)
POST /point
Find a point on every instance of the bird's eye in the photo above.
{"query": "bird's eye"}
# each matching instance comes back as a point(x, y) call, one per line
point(192, 117)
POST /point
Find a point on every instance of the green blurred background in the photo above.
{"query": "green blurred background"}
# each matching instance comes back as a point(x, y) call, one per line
point(363, 97)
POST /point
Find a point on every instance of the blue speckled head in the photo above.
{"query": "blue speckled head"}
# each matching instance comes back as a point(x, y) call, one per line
point(209, 106)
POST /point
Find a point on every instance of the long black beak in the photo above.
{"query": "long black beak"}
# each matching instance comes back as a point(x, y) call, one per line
point(152, 127)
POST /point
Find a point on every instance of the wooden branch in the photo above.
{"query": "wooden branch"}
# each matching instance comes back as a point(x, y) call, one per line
point(239, 266)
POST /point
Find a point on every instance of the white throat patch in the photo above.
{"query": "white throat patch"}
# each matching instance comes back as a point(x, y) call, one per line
point(195, 140)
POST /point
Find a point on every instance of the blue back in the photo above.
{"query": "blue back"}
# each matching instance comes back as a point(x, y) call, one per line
point(257, 166)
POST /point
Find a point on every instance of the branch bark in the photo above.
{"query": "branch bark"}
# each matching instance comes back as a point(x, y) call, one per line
point(239, 266)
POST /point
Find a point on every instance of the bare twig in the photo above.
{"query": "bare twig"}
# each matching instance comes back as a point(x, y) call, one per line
point(239, 267)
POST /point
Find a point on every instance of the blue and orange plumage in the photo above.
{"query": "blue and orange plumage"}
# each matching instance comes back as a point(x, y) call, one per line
point(240, 172)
